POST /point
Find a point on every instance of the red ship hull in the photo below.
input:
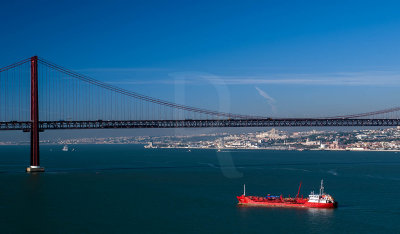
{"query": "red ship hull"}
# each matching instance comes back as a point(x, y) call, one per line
point(282, 202)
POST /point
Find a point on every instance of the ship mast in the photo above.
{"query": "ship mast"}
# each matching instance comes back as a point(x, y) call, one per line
point(321, 190)
point(244, 189)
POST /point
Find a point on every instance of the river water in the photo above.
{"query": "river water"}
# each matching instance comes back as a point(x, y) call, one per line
point(129, 189)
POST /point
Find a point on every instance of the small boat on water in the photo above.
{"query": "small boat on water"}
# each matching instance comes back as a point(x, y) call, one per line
point(321, 200)
point(65, 148)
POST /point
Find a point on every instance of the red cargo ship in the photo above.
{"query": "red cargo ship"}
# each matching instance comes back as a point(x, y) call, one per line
point(320, 200)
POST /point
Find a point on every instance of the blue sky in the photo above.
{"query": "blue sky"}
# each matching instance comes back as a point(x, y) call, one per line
point(272, 58)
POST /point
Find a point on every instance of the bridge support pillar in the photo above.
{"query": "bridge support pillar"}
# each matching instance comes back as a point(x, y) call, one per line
point(35, 163)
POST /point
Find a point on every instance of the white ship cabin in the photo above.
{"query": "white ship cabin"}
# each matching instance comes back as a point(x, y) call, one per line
point(321, 197)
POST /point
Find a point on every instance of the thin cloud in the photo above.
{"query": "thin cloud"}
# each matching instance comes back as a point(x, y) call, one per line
point(370, 78)
point(129, 69)
point(331, 79)
point(271, 101)
point(146, 82)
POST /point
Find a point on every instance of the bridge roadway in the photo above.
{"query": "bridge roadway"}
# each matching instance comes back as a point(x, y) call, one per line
point(191, 123)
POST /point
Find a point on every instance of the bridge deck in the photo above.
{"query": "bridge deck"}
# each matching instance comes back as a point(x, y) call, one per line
point(211, 123)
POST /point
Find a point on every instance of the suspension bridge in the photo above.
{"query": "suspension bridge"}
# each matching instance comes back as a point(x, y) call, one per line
point(38, 95)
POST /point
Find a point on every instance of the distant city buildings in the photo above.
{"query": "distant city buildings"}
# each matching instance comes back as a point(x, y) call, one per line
point(356, 140)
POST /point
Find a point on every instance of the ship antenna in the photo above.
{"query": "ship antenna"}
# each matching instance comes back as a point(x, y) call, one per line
point(321, 190)
point(244, 189)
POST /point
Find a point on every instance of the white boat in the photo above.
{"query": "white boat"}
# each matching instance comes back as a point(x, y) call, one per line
point(65, 148)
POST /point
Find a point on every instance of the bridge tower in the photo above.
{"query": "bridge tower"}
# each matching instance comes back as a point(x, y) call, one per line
point(35, 164)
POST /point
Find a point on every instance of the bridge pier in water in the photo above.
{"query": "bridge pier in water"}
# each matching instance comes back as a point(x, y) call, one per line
point(35, 163)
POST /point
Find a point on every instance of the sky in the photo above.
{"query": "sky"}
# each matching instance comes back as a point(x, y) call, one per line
point(270, 58)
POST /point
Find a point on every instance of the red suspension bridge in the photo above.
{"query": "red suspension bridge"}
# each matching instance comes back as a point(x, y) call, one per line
point(38, 95)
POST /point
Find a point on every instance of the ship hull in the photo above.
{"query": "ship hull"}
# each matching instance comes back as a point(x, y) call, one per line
point(298, 203)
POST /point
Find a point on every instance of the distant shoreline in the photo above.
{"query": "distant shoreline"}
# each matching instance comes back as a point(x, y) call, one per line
point(194, 148)
point(365, 150)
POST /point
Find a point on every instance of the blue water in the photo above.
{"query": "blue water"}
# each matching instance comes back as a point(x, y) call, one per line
point(129, 189)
